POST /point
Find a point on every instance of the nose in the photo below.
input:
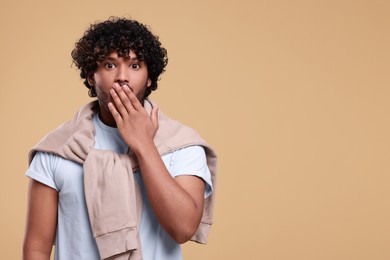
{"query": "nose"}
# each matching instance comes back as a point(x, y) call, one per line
point(122, 76)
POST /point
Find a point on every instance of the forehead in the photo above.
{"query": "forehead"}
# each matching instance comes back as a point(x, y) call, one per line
point(131, 55)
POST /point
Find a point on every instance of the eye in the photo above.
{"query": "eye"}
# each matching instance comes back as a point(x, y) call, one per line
point(135, 66)
point(109, 65)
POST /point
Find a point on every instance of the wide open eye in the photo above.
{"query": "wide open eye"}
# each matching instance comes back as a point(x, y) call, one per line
point(109, 65)
point(135, 66)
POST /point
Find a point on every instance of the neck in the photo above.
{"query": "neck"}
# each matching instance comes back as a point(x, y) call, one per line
point(106, 117)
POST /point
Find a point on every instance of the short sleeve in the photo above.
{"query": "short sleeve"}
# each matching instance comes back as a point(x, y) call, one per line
point(42, 169)
point(192, 161)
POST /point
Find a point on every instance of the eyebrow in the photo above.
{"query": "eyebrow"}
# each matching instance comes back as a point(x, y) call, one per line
point(109, 58)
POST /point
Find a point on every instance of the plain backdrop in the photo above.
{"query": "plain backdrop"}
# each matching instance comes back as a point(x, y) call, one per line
point(293, 95)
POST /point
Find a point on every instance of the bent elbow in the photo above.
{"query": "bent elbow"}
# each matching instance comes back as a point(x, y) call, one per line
point(181, 239)
point(184, 235)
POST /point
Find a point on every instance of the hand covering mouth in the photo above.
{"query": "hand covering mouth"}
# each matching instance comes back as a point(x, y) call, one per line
point(125, 83)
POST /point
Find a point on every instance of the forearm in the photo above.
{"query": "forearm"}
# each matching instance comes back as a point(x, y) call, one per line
point(177, 203)
point(177, 210)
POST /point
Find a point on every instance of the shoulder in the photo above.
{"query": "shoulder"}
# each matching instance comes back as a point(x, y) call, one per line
point(189, 154)
point(190, 160)
point(43, 167)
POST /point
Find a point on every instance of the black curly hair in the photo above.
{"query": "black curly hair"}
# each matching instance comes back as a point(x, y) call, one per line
point(122, 36)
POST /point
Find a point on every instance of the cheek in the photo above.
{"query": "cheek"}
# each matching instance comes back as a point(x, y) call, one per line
point(99, 80)
point(103, 77)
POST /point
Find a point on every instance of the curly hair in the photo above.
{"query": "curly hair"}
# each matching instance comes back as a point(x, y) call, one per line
point(122, 36)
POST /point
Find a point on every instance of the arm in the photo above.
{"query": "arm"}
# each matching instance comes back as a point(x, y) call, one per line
point(177, 202)
point(41, 221)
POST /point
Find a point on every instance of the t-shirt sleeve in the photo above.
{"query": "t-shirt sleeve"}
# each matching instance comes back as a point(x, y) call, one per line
point(42, 169)
point(192, 161)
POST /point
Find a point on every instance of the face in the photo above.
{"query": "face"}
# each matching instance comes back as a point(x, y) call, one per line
point(122, 70)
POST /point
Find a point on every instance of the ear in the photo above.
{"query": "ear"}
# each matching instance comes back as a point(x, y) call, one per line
point(91, 80)
point(149, 83)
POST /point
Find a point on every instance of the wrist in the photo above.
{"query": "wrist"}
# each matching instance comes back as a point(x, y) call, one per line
point(144, 148)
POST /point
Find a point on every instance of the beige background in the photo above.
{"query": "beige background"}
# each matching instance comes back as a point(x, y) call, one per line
point(294, 96)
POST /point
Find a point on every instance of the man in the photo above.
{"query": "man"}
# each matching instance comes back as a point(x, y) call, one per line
point(121, 180)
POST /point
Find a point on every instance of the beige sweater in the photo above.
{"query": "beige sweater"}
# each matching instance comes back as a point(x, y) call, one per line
point(112, 195)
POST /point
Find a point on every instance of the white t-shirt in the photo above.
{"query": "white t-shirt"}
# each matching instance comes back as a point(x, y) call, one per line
point(74, 238)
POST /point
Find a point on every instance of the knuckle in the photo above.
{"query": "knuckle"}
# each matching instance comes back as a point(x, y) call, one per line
point(126, 102)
